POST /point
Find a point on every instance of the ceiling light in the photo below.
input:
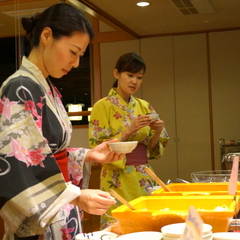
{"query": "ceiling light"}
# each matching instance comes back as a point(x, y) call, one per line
point(24, 13)
point(143, 4)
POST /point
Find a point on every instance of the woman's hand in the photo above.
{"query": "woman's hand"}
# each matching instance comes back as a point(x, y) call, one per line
point(158, 125)
point(94, 201)
point(139, 122)
point(102, 154)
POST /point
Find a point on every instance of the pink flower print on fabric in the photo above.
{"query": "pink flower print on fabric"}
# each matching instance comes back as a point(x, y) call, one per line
point(49, 93)
point(40, 105)
point(5, 107)
point(141, 169)
point(104, 173)
point(142, 182)
point(37, 158)
point(59, 95)
point(74, 171)
point(19, 152)
point(115, 180)
point(117, 115)
point(67, 209)
point(38, 122)
point(65, 233)
point(30, 106)
point(95, 122)
point(151, 108)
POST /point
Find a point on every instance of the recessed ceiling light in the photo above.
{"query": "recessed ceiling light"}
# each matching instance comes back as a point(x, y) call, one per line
point(143, 4)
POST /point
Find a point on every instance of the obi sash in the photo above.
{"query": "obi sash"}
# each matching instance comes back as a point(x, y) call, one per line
point(62, 161)
point(138, 156)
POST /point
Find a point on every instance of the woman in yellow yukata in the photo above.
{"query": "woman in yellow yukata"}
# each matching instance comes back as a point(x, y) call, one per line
point(123, 116)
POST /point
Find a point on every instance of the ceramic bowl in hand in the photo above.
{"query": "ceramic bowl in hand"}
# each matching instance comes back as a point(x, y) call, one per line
point(123, 147)
point(153, 116)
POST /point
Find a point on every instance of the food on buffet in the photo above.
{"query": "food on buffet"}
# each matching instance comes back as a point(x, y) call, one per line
point(183, 189)
point(155, 212)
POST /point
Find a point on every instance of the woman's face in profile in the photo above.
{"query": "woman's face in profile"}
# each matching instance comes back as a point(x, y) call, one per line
point(61, 55)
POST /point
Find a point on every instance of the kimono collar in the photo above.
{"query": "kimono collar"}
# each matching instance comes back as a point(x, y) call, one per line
point(113, 93)
point(35, 71)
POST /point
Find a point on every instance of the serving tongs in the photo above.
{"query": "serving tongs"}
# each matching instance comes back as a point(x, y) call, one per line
point(157, 179)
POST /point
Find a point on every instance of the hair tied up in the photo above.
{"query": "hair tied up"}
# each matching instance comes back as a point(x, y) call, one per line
point(28, 24)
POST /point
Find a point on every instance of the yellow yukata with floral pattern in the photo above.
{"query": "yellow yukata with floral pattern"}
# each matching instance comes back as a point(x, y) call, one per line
point(109, 117)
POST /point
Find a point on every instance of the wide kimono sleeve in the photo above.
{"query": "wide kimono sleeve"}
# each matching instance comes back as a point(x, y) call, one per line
point(32, 188)
point(79, 170)
point(100, 129)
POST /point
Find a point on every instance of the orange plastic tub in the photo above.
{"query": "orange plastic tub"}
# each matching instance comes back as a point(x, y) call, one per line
point(154, 212)
point(204, 189)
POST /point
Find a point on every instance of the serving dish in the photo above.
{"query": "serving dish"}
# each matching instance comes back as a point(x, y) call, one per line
point(194, 189)
point(154, 212)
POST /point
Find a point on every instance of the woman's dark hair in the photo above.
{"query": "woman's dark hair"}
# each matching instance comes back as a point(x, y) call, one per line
point(129, 62)
point(64, 19)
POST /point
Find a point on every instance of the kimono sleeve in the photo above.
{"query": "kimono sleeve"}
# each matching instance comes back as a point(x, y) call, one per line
point(79, 170)
point(100, 131)
point(158, 151)
point(32, 189)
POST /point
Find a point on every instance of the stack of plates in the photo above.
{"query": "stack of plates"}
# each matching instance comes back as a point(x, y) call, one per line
point(226, 236)
point(174, 231)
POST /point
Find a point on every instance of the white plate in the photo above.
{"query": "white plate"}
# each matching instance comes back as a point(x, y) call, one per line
point(175, 230)
point(96, 235)
point(226, 236)
point(148, 235)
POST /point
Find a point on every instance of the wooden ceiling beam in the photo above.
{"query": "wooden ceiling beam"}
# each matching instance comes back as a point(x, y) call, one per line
point(104, 17)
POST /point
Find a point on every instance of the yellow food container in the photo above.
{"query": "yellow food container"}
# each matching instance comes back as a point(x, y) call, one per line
point(184, 189)
point(154, 212)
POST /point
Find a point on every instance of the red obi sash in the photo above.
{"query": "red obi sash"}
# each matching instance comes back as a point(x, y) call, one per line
point(62, 161)
point(138, 156)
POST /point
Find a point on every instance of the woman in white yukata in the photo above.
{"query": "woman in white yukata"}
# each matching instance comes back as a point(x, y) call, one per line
point(40, 176)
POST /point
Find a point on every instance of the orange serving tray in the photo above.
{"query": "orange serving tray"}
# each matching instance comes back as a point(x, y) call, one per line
point(154, 212)
point(185, 189)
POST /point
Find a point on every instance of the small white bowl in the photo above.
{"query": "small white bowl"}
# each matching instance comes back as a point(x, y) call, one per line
point(123, 147)
point(153, 116)
point(152, 189)
point(148, 235)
